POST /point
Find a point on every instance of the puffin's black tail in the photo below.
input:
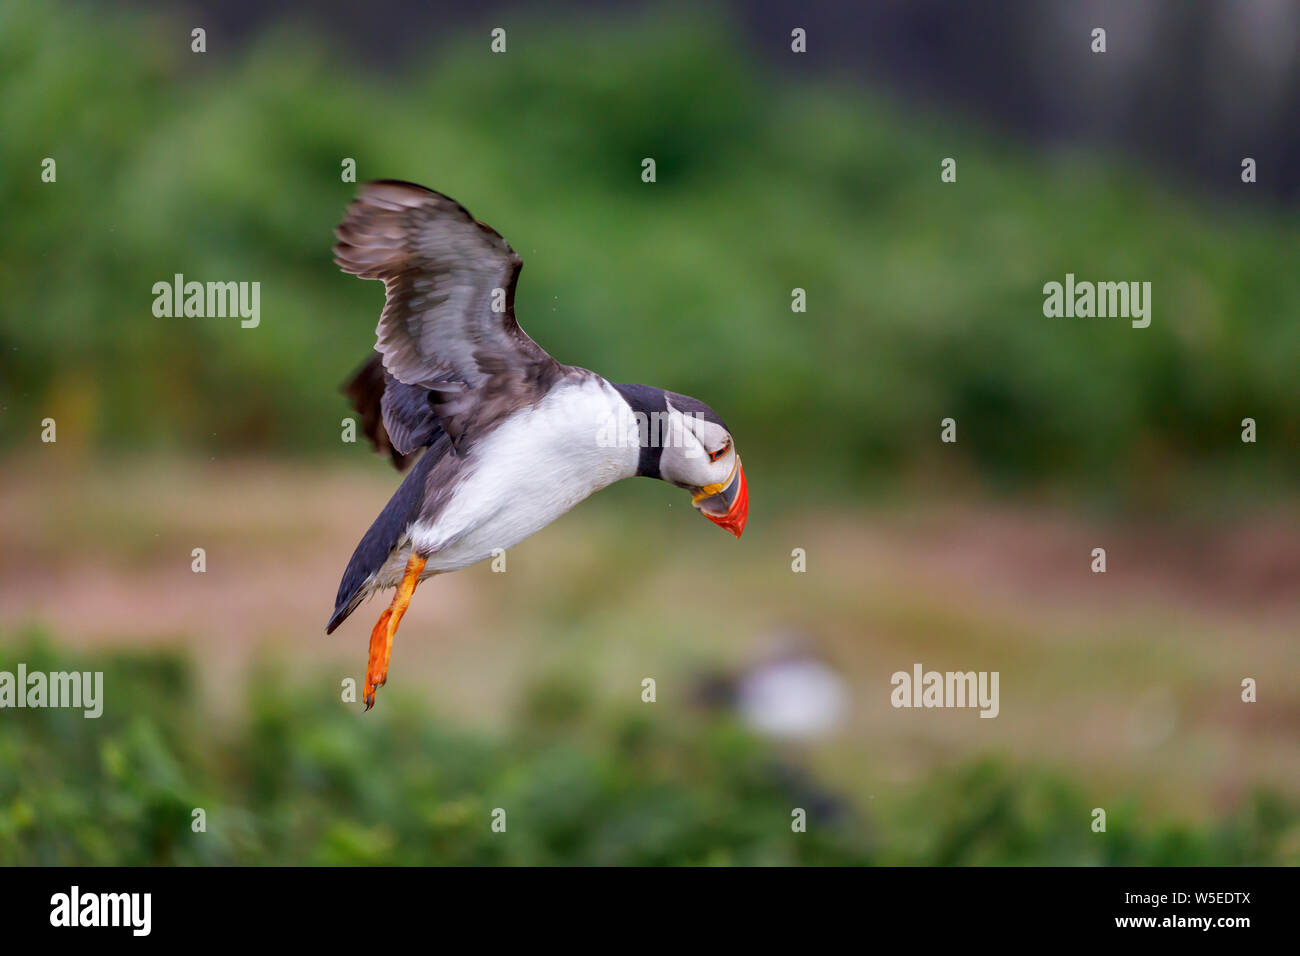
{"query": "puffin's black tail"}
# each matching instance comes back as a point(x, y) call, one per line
point(399, 420)
point(383, 536)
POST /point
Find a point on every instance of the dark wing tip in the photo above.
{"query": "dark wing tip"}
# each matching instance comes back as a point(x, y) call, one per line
point(393, 189)
point(365, 390)
point(375, 238)
point(399, 182)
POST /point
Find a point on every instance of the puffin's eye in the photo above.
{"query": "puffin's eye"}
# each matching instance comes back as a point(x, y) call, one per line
point(715, 455)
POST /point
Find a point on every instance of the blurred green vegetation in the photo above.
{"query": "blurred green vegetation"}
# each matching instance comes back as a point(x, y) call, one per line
point(301, 778)
point(924, 300)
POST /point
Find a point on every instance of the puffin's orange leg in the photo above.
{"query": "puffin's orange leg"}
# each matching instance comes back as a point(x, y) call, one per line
point(381, 638)
point(380, 648)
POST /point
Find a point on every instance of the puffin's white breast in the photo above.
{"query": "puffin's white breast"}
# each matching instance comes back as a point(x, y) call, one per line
point(526, 472)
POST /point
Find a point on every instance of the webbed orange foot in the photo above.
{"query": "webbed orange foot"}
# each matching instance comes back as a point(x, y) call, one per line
point(381, 648)
point(381, 638)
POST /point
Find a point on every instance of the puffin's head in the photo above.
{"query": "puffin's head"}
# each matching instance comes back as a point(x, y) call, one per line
point(700, 456)
point(684, 442)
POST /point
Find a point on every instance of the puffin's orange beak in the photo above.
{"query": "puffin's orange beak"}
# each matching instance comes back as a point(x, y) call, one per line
point(727, 505)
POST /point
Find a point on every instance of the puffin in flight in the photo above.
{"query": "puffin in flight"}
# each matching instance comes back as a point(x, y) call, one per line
point(511, 438)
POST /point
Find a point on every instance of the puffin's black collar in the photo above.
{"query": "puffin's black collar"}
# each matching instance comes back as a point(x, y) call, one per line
point(649, 401)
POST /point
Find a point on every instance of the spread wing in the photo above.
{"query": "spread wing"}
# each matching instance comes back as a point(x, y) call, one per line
point(448, 325)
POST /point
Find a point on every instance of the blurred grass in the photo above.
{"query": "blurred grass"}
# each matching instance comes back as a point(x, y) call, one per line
point(304, 779)
point(1128, 682)
point(924, 299)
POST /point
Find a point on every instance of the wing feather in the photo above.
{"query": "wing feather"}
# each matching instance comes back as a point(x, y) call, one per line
point(443, 272)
